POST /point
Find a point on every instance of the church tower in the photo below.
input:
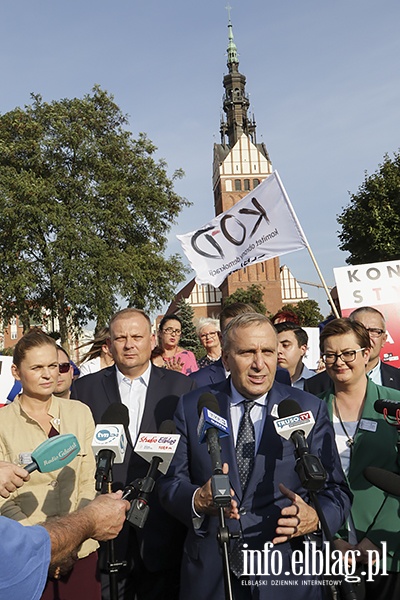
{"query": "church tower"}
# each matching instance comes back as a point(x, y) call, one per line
point(239, 165)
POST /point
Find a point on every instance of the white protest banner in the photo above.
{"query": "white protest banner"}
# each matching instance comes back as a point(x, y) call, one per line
point(6, 378)
point(260, 226)
point(376, 285)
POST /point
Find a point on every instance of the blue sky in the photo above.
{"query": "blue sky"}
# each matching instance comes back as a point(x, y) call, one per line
point(323, 79)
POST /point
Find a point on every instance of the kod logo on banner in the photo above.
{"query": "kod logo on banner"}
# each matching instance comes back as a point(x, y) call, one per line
point(107, 435)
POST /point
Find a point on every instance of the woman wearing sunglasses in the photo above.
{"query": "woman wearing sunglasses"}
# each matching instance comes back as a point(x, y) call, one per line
point(363, 438)
point(34, 416)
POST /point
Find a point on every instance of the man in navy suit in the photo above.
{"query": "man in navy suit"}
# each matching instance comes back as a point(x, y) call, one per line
point(215, 372)
point(273, 506)
point(150, 394)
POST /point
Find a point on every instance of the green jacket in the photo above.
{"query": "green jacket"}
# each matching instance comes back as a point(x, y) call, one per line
point(376, 515)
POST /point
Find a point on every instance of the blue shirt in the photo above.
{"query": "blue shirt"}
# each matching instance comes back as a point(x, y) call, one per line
point(26, 559)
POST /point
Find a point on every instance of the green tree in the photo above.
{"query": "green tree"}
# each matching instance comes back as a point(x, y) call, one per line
point(308, 312)
point(189, 338)
point(253, 295)
point(84, 213)
point(371, 223)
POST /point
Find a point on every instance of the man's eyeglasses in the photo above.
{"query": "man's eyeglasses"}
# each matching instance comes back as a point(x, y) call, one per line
point(64, 367)
point(171, 331)
point(374, 332)
point(209, 334)
point(347, 357)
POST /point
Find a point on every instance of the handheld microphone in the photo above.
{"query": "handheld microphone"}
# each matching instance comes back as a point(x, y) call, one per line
point(388, 407)
point(162, 444)
point(296, 425)
point(211, 427)
point(109, 441)
point(158, 449)
point(384, 480)
point(54, 454)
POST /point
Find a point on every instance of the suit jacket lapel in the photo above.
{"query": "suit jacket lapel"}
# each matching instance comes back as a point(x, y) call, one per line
point(110, 385)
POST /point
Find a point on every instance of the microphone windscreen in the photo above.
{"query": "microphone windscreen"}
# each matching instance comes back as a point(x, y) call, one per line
point(392, 407)
point(208, 400)
point(288, 407)
point(384, 480)
point(167, 426)
point(116, 414)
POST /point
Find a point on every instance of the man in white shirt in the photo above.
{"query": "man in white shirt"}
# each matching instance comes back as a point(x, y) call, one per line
point(150, 393)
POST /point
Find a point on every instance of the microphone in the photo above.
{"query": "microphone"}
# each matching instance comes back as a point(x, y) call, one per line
point(388, 407)
point(158, 449)
point(384, 480)
point(109, 441)
point(296, 425)
point(54, 454)
point(210, 428)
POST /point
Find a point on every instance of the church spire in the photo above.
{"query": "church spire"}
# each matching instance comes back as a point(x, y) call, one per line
point(232, 50)
point(235, 101)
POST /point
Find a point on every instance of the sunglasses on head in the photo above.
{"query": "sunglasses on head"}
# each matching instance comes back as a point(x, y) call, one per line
point(64, 367)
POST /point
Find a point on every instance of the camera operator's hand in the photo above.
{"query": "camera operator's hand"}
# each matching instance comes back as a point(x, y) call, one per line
point(11, 478)
point(108, 513)
point(102, 519)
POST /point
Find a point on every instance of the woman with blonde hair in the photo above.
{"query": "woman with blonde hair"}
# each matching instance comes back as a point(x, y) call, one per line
point(209, 332)
point(35, 416)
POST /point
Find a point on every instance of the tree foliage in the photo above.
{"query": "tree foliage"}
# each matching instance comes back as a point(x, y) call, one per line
point(253, 295)
point(84, 213)
point(189, 338)
point(308, 312)
point(371, 223)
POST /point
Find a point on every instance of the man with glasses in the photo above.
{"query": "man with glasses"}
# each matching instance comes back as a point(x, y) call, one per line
point(379, 372)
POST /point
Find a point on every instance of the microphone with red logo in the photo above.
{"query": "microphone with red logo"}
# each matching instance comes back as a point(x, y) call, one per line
point(295, 424)
point(158, 449)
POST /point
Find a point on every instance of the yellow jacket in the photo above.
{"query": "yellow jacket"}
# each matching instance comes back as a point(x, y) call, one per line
point(49, 494)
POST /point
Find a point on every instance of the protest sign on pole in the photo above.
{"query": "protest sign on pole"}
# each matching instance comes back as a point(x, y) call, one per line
point(376, 285)
point(262, 225)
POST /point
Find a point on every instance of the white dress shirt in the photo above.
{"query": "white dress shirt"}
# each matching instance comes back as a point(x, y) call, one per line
point(133, 395)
